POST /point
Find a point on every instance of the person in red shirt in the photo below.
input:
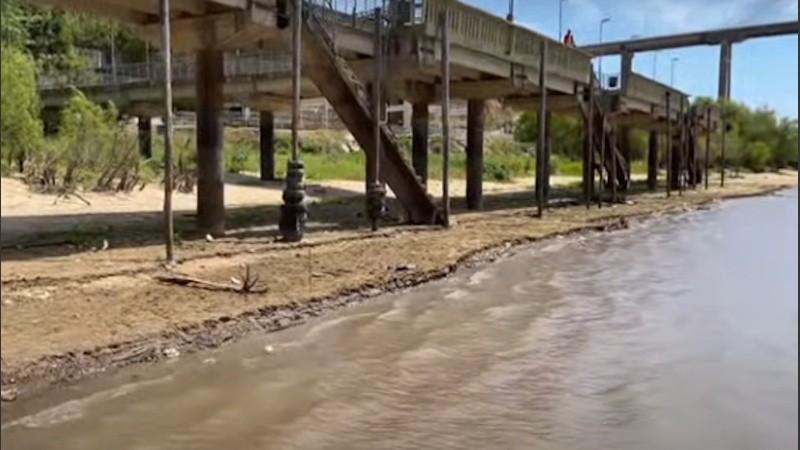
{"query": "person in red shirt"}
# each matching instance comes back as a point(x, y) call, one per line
point(569, 41)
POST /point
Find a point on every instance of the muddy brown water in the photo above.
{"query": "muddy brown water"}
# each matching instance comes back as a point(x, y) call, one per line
point(680, 333)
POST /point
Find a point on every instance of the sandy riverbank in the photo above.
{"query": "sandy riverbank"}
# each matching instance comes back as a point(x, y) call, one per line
point(68, 313)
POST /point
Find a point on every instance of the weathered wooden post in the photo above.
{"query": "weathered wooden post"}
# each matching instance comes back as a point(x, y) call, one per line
point(540, 148)
point(266, 144)
point(375, 190)
point(588, 151)
point(445, 27)
point(166, 51)
point(294, 210)
point(708, 147)
point(669, 146)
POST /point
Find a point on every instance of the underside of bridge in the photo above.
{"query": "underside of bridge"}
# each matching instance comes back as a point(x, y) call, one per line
point(487, 58)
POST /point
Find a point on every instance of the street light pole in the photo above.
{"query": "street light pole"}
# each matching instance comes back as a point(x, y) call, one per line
point(600, 60)
point(510, 16)
point(560, 17)
point(672, 71)
point(655, 64)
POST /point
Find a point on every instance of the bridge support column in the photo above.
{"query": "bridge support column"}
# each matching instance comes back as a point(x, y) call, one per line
point(210, 160)
point(419, 140)
point(724, 93)
point(145, 137)
point(652, 162)
point(724, 86)
point(266, 142)
point(474, 152)
point(546, 170)
point(548, 153)
point(624, 142)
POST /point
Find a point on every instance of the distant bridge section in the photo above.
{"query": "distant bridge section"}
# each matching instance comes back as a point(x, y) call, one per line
point(711, 37)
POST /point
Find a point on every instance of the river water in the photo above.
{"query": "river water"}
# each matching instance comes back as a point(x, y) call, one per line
point(680, 333)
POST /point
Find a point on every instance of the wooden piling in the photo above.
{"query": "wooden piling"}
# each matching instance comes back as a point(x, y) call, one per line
point(445, 30)
point(166, 55)
point(540, 148)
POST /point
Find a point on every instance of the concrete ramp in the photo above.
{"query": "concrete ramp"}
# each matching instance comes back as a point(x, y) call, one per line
point(347, 95)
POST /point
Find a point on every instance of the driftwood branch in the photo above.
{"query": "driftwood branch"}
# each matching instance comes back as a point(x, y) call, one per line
point(248, 284)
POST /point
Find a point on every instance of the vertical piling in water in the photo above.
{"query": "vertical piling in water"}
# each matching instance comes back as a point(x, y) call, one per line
point(540, 148)
point(445, 30)
point(669, 146)
point(601, 187)
point(166, 55)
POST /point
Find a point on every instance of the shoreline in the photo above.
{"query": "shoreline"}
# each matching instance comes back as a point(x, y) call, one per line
point(34, 378)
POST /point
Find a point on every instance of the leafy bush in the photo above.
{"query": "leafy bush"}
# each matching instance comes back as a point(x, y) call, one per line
point(756, 157)
point(497, 171)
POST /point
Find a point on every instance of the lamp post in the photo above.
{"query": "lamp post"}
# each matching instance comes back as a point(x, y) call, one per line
point(560, 17)
point(510, 16)
point(600, 60)
point(655, 64)
point(672, 71)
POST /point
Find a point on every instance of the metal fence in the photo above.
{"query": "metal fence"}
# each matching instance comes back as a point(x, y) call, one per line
point(239, 64)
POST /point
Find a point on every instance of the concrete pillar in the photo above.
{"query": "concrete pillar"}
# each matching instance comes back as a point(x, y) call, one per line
point(724, 86)
point(419, 140)
point(146, 137)
point(548, 153)
point(652, 162)
point(266, 143)
point(474, 152)
point(210, 160)
point(624, 143)
point(626, 67)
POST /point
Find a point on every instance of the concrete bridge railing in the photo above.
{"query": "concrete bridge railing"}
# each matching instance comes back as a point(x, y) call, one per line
point(650, 91)
point(473, 28)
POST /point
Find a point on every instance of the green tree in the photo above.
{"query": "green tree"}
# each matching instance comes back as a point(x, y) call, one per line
point(21, 131)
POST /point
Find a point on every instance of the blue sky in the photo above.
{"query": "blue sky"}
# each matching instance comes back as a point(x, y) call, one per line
point(764, 70)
